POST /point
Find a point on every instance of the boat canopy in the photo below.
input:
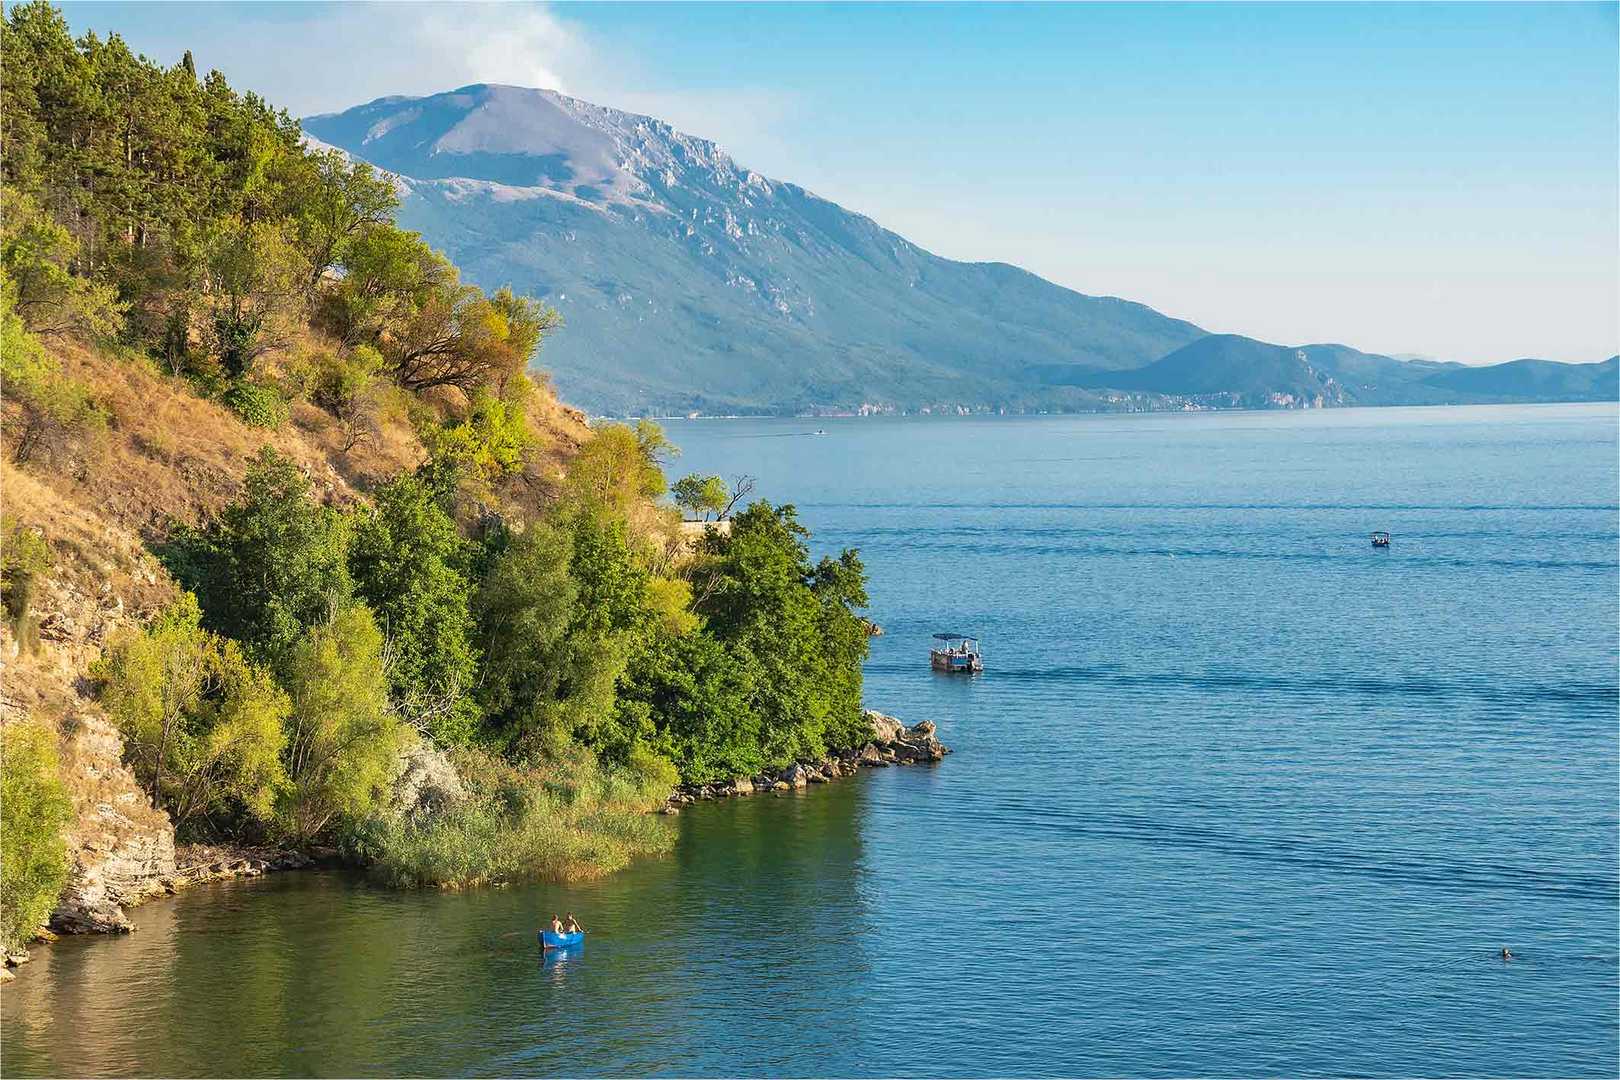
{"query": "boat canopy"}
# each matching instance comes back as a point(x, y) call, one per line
point(956, 637)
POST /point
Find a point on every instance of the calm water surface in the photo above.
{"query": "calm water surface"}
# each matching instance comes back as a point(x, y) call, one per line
point(1237, 794)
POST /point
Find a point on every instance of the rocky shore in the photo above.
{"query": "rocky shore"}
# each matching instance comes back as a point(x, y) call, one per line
point(891, 743)
point(124, 851)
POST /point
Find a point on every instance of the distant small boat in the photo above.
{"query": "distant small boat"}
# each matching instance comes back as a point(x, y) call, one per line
point(1380, 539)
point(957, 653)
point(548, 940)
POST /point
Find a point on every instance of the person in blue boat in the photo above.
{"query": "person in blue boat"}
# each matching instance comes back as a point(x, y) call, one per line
point(571, 925)
point(556, 924)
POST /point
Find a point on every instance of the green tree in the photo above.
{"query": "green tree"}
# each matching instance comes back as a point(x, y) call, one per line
point(409, 565)
point(343, 741)
point(36, 254)
point(202, 726)
point(701, 496)
point(58, 412)
point(25, 557)
point(789, 623)
point(255, 276)
point(33, 852)
point(344, 198)
point(270, 566)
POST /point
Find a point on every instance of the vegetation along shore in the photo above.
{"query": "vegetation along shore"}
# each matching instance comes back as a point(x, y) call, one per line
point(301, 561)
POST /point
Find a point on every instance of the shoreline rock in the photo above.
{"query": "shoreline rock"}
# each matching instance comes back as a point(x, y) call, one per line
point(891, 743)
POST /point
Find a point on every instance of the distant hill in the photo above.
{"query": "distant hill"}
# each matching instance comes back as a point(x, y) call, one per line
point(1534, 380)
point(690, 283)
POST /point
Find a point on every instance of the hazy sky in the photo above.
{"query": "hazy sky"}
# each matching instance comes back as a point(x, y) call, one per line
point(1433, 179)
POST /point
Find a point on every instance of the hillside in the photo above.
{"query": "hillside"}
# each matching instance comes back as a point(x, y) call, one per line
point(687, 282)
point(299, 553)
point(1534, 380)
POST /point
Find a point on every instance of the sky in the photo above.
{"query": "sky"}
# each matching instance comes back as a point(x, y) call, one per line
point(1432, 179)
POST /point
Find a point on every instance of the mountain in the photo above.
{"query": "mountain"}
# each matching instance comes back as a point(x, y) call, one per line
point(1534, 380)
point(690, 283)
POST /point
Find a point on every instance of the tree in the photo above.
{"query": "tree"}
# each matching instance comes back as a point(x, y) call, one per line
point(343, 742)
point(346, 385)
point(457, 336)
point(202, 726)
point(254, 281)
point(700, 496)
point(271, 566)
point(792, 624)
point(524, 606)
point(33, 853)
point(343, 198)
point(409, 563)
point(36, 254)
point(57, 411)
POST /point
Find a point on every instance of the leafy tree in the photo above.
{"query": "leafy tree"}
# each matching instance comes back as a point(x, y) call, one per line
point(254, 280)
point(346, 385)
point(343, 199)
point(202, 726)
point(457, 336)
point(36, 254)
point(387, 275)
point(691, 700)
point(701, 496)
point(343, 741)
point(408, 563)
point(33, 852)
point(619, 467)
point(270, 566)
point(57, 410)
point(492, 440)
point(791, 624)
point(524, 607)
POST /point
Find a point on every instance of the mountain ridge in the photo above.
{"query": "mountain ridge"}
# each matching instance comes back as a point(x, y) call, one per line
point(690, 283)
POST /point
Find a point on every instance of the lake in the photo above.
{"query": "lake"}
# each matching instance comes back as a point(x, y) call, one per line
point(1236, 794)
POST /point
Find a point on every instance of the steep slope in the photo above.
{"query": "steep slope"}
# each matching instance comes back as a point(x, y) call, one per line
point(690, 283)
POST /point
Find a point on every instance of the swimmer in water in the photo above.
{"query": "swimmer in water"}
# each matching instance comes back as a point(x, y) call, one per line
point(1505, 954)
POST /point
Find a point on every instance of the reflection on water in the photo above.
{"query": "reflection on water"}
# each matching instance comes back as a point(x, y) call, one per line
point(1235, 795)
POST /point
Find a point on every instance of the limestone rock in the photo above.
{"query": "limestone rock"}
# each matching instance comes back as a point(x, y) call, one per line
point(885, 729)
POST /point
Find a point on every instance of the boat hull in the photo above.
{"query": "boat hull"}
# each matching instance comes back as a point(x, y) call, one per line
point(548, 940)
point(955, 663)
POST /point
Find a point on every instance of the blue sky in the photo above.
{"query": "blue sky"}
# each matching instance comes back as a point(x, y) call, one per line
point(1433, 179)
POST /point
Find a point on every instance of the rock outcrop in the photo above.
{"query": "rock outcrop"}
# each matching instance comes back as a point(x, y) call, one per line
point(122, 847)
point(891, 743)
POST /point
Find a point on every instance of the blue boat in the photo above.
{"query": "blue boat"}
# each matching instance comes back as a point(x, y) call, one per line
point(548, 940)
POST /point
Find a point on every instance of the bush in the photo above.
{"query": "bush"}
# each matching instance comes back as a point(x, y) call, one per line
point(202, 726)
point(566, 819)
point(34, 807)
point(57, 411)
point(24, 556)
point(256, 404)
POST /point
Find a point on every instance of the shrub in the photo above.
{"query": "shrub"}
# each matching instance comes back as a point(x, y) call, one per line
point(57, 411)
point(24, 556)
point(342, 740)
point(567, 818)
point(34, 807)
point(256, 404)
point(202, 726)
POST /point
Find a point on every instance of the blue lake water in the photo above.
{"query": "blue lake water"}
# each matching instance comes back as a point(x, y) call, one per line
point(1237, 794)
